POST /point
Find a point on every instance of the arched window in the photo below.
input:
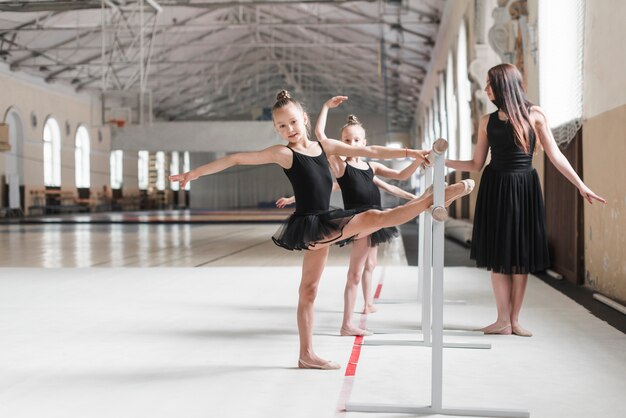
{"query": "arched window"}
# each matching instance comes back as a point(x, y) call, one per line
point(175, 169)
point(160, 169)
point(186, 167)
point(117, 169)
point(82, 155)
point(51, 153)
point(143, 170)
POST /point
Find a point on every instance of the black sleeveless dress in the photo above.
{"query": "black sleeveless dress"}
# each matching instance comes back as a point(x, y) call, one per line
point(509, 235)
point(313, 221)
point(360, 193)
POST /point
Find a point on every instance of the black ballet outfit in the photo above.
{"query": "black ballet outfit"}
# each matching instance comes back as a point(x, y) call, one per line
point(360, 193)
point(313, 222)
point(509, 235)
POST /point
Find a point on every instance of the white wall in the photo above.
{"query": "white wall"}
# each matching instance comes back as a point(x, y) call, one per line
point(25, 95)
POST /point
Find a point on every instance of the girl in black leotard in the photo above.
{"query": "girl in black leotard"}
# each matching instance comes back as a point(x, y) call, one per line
point(313, 226)
point(360, 191)
point(509, 235)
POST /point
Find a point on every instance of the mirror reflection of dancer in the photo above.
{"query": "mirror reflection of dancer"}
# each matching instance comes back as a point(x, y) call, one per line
point(509, 236)
point(359, 184)
point(313, 226)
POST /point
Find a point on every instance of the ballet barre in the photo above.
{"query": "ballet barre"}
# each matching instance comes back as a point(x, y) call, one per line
point(431, 251)
point(427, 225)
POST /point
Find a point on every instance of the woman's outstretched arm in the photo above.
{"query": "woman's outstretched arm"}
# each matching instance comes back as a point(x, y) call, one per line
point(276, 154)
point(556, 156)
point(480, 151)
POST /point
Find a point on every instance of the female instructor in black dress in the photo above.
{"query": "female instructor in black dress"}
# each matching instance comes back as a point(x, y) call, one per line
point(509, 236)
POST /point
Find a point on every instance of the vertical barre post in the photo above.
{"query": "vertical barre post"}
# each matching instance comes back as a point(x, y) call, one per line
point(437, 277)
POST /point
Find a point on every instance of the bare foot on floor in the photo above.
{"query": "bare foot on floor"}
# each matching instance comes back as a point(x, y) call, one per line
point(354, 332)
point(497, 328)
point(518, 330)
point(368, 309)
point(317, 363)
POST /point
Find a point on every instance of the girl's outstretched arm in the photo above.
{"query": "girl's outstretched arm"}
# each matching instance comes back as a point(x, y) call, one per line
point(556, 156)
point(336, 163)
point(480, 151)
point(284, 201)
point(384, 171)
point(277, 154)
point(320, 126)
point(373, 151)
point(394, 190)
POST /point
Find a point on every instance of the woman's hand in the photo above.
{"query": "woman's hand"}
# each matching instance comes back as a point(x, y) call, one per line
point(284, 201)
point(335, 101)
point(184, 178)
point(589, 195)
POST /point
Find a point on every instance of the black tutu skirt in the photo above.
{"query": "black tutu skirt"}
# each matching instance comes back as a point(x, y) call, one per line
point(303, 230)
point(509, 235)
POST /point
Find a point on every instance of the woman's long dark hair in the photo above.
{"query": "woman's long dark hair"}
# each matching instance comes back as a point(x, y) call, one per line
point(510, 97)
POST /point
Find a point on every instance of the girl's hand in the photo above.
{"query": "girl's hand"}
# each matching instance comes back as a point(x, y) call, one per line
point(589, 196)
point(183, 178)
point(419, 155)
point(335, 101)
point(284, 201)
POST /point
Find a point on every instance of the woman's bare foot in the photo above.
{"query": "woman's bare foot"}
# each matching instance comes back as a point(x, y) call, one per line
point(518, 330)
point(497, 328)
point(370, 308)
point(354, 332)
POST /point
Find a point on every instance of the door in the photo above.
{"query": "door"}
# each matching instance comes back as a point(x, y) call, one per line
point(564, 216)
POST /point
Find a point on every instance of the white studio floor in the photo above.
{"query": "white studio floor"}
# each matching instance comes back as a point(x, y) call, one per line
point(222, 342)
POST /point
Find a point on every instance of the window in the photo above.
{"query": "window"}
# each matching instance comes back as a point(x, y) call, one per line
point(186, 167)
point(117, 169)
point(452, 110)
point(443, 109)
point(561, 26)
point(82, 153)
point(143, 170)
point(175, 169)
point(160, 170)
point(464, 96)
point(51, 153)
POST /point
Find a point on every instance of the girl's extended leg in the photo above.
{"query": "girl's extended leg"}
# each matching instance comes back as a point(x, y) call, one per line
point(517, 298)
point(312, 268)
point(372, 220)
point(367, 278)
point(501, 285)
point(358, 256)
